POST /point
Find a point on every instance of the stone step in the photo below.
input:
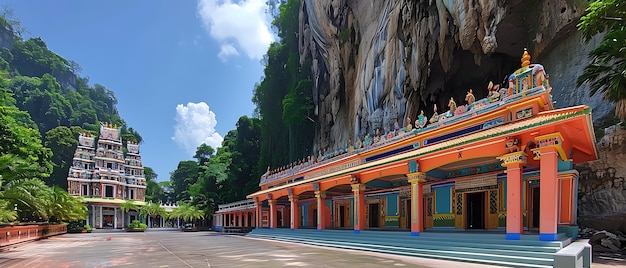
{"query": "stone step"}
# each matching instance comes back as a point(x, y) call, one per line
point(486, 248)
point(502, 258)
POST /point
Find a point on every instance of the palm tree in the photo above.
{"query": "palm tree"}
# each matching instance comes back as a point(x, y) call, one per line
point(61, 206)
point(152, 209)
point(126, 207)
point(187, 212)
point(607, 71)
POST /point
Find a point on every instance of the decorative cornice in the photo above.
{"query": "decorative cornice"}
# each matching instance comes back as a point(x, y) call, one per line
point(358, 187)
point(513, 158)
point(550, 141)
point(416, 177)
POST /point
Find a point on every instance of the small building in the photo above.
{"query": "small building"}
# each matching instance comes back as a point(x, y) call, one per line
point(502, 163)
point(105, 177)
point(237, 216)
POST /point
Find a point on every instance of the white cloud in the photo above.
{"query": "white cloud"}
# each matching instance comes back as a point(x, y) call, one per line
point(195, 124)
point(242, 25)
point(227, 50)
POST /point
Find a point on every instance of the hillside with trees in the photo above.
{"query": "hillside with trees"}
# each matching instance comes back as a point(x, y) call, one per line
point(44, 105)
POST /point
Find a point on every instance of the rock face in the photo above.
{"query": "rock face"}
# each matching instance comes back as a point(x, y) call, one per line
point(378, 62)
point(602, 192)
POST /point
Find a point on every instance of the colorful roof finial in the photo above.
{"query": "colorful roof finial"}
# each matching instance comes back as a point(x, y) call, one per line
point(525, 58)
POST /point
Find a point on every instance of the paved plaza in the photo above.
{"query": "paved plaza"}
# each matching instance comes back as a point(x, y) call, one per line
point(159, 248)
point(172, 248)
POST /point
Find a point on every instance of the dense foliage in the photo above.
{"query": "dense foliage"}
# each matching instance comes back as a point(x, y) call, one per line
point(61, 104)
point(283, 97)
point(214, 178)
point(606, 72)
point(44, 106)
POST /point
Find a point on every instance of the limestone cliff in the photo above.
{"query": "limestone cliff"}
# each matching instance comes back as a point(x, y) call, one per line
point(378, 62)
point(602, 192)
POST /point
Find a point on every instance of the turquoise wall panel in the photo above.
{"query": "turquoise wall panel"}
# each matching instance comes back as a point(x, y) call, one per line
point(392, 205)
point(443, 200)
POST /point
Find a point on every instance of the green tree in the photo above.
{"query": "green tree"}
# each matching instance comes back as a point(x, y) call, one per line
point(203, 153)
point(187, 212)
point(63, 142)
point(606, 72)
point(185, 175)
point(154, 191)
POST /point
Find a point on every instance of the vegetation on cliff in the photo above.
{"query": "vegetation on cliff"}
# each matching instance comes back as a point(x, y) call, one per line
point(606, 72)
point(283, 97)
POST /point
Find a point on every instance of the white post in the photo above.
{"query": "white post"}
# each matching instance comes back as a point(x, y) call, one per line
point(101, 219)
point(114, 218)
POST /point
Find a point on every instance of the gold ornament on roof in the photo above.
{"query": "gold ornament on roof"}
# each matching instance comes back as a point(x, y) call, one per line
point(525, 58)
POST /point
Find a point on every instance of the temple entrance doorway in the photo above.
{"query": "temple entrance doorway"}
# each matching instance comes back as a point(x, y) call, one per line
point(374, 215)
point(315, 218)
point(407, 219)
point(279, 219)
point(475, 210)
point(342, 216)
point(534, 207)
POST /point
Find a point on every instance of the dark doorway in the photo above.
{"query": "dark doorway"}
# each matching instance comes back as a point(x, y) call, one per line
point(315, 218)
point(475, 210)
point(535, 207)
point(408, 213)
point(374, 215)
point(279, 219)
point(342, 216)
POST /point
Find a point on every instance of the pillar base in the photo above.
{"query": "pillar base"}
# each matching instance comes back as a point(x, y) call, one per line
point(318, 230)
point(513, 236)
point(271, 228)
point(357, 231)
point(548, 237)
point(415, 233)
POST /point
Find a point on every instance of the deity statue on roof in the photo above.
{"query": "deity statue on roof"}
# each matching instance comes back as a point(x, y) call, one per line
point(421, 120)
point(408, 127)
point(469, 98)
point(435, 116)
point(493, 94)
point(452, 106)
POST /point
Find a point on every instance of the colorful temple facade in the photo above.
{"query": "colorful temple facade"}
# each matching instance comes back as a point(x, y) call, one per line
point(105, 177)
point(503, 163)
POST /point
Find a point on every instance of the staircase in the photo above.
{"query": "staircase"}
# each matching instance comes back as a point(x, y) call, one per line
point(485, 248)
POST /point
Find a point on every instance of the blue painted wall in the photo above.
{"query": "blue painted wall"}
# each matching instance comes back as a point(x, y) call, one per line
point(443, 199)
point(392, 205)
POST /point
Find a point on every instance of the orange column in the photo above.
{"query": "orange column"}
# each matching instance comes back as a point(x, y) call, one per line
point(295, 212)
point(514, 163)
point(272, 213)
point(359, 207)
point(548, 151)
point(416, 180)
point(321, 211)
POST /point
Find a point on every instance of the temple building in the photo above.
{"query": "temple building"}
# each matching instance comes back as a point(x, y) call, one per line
point(503, 163)
point(105, 177)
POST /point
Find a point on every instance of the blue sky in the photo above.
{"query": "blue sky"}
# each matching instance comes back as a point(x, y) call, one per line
point(183, 71)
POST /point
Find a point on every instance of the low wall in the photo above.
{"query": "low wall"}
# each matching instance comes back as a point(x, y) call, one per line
point(14, 234)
